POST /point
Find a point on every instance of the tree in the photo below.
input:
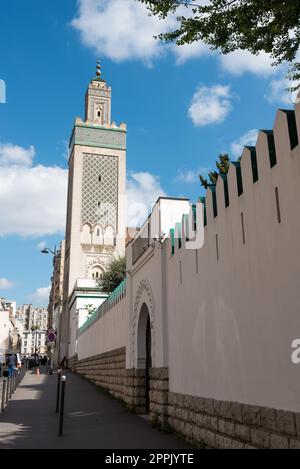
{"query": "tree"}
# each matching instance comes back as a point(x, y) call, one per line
point(271, 26)
point(114, 275)
point(90, 309)
point(223, 167)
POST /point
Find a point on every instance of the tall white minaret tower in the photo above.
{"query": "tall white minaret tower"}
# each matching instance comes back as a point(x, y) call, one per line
point(95, 228)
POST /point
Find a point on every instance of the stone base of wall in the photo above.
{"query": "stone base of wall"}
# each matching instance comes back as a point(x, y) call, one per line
point(159, 387)
point(223, 424)
point(108, 371)
point(218, 424)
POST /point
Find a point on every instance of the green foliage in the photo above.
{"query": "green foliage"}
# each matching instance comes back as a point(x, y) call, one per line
point(91, 309)
point(222, 165)
point(114, 275)
point(271, 26)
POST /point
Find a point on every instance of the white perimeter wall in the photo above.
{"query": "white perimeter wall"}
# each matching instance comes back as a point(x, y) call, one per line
point(109, 332)
point(231, 325)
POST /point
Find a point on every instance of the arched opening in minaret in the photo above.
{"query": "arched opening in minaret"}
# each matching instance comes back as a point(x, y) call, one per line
point(96, 272)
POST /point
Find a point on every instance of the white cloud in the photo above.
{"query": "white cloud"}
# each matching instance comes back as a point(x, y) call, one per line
point(248, 139)
point(15, 155)
point(123, 29)
point(210, 105)
point(241, 61)
point(190, 51)
point(190, 176)
point(41, 296)
point(32, 197)
point(143, 189)
point(5, 284)
point(278, 92)
point(120, 29)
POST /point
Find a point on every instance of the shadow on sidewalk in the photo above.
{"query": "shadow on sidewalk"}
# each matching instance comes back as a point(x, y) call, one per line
point(93, 419)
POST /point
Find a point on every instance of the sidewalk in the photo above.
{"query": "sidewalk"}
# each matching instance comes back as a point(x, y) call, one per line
point(93, 419)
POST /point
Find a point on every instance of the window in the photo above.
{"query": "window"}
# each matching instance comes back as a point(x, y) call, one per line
point(100, 178)
point(99, 114)
point(25, 343)
point(98, 232)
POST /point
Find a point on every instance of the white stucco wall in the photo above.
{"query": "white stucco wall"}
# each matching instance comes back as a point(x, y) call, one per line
point(231, 325)
point(109, 332)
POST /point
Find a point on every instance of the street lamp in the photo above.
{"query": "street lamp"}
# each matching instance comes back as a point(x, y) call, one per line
point(50, 251)
point(34, 331)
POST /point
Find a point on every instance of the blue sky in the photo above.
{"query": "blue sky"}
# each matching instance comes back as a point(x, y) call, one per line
point(183, 106)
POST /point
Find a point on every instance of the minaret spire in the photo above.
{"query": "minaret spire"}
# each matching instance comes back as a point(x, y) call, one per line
point(98, 69)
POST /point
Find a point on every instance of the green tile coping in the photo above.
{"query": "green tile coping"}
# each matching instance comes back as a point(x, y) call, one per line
point(107, 304)
point(172, 238)
point(98, 127)
point(99, 145)
point(178, 228)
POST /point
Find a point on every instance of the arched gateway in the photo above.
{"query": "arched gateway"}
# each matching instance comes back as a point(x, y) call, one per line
point(144, 349)
point(143, 334)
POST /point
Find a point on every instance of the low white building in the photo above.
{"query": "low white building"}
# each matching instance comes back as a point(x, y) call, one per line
point(5, 328)
point(84, 300)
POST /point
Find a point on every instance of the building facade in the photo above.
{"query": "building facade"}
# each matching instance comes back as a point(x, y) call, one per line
point(95, 226)
point(5, 329)
point(11, 328)
point(32, 323)
point(34, 341)
point(56, 292)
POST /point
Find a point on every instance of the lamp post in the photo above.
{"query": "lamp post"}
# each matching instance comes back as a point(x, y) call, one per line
point(50, 251)
point(34, 331)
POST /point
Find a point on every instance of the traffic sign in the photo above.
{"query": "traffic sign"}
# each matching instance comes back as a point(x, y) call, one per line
point(51, 337)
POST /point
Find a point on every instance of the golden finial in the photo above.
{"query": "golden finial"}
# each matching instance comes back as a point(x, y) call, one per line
point(98, 71)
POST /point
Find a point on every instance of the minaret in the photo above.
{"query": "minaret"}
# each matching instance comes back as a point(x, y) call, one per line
point(98, 100)
point(95, 229)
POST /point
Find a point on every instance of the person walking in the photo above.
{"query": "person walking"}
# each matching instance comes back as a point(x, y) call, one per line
point(11, 363)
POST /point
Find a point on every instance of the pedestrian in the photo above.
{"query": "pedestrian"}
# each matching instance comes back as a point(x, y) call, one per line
point(11, 363)
point(1, 364)
point(62, 363)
